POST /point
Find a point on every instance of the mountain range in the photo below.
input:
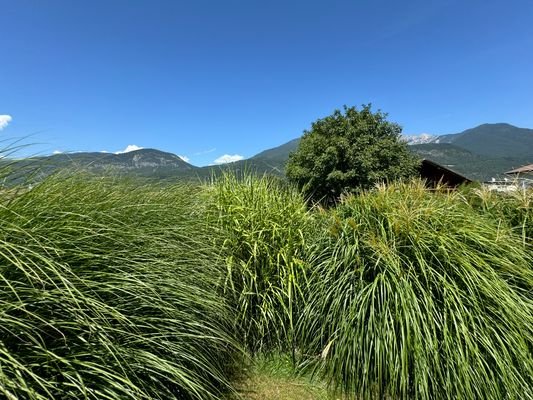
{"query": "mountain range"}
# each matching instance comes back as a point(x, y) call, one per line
point(482, 152)
point(479, 153)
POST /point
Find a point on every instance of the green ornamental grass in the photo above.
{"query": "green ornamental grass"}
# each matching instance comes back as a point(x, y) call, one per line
point(262, 224)
point(514, 208)
point(415, 295)
point(108, 291)
point(116, 289)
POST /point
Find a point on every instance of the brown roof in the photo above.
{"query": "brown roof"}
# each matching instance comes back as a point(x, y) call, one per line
point(521, 170)
point(435, 173)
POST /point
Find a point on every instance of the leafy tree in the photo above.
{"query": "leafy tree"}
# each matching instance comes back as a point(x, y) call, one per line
point(347, 151)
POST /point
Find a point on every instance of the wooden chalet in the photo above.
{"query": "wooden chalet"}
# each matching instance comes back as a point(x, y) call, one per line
point(435, 174)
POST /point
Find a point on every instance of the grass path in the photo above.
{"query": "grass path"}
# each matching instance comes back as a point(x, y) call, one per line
point(262, 387)
point(273, 378)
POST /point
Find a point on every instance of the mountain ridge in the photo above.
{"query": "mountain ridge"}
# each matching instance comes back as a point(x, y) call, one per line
point(148, 163)
point(495, 140)
point(480, 153)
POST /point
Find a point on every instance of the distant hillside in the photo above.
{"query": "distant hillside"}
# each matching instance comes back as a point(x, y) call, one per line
point(494, 140)
point(446, 154)
point(277, 155)
point(474, 166)
point(479, 153)
point(149, 163)
point(271, 161)
point(133, 160)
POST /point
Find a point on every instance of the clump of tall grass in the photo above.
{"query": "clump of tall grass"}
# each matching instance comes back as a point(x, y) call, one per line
point(514, 208)
point(263, 225)
point(415, 295)
point(107, 291)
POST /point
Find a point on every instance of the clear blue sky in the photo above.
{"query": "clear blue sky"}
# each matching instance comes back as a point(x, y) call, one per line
point(207, 78)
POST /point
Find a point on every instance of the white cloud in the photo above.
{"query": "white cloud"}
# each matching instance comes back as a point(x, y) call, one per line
point(184, 158)
point(130, 147)
point(57, 152)
point(227, 158)
point(4, 121)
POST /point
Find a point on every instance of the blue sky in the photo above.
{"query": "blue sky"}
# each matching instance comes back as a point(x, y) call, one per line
point(204, 79)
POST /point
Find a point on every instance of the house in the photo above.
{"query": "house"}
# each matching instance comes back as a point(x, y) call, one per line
point(522, 176)
point(526, 172)
point(435, 174)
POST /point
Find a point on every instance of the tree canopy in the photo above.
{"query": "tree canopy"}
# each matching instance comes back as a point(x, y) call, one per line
point(347, 151)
